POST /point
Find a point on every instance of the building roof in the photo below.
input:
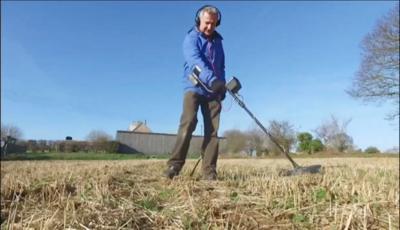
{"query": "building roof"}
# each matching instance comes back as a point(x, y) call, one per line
point(139, 126)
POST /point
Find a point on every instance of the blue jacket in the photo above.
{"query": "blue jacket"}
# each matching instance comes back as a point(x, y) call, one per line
point(208, 55)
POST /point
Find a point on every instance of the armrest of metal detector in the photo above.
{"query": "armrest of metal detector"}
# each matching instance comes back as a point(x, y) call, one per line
point(195, 75)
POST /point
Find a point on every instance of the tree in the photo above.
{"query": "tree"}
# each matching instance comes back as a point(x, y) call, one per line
point(42, 144)
point(305, 140)
point(9, 135)
point(32, 146)
point(341, 142)
point(308, 144)
point(377, 79)
point(372, 149)
point(316, 145)
point(393, 150)
point(99, 140)
point(235, 140)
point(283, 133)
point(256, 140)
point(334, 134)
point(98, 135)
point(11, 130)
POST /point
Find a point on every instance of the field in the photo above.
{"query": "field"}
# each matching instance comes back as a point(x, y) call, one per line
point(352, 193)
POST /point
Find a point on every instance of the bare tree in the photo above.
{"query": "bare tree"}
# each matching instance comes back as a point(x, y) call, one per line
point(256, 140)
point(98, 140)
point(10, 130)
point(98, 135)
point(235, 140)
point(9, 135)
point(377, 79)
point(284, 133)
point(334, 134)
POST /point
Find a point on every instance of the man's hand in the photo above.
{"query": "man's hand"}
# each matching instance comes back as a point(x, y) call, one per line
point(218, 87)
point(222, 96)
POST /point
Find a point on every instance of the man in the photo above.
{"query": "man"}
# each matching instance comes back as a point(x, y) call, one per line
point(202, 47)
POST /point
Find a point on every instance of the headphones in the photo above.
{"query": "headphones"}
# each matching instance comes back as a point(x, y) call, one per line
point(197, 19)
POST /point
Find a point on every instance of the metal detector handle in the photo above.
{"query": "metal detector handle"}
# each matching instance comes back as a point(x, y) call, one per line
point(194, 77)
point(241, 104)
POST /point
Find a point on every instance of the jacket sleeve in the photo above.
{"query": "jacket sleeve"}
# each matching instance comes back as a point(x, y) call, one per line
point(193, 56)
point(223, 66)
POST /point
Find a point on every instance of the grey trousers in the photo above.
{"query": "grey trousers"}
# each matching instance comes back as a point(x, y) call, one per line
point(210, 110)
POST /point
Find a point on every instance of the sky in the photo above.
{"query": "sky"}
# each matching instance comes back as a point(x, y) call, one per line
point(70, 67)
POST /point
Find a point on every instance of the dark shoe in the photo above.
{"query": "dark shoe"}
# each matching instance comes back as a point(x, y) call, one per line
point(210, 176)
point(171, 172)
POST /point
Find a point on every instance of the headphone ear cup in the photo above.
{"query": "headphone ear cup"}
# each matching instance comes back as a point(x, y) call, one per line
point(219, 17)
point(197, 18)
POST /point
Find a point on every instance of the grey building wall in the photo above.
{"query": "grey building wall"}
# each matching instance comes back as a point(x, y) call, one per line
point(155, 143)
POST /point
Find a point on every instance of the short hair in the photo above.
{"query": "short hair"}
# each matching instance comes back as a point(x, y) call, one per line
point(210, 10)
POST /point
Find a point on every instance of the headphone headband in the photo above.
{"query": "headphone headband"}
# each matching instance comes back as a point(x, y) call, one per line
point(197, 19)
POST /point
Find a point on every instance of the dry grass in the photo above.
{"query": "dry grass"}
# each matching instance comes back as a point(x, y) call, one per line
point(352, 193)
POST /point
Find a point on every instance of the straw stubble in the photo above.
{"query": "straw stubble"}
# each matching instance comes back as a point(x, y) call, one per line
point(352, 193)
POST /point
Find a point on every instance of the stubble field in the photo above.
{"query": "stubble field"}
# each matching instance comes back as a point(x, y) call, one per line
point(352, 193)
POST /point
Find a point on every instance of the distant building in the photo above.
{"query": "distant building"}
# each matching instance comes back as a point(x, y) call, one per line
point(156, 143)
point(140, 139)
point(138, 126)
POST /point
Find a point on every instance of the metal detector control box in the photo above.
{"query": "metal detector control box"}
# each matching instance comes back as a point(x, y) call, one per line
point(233, 85)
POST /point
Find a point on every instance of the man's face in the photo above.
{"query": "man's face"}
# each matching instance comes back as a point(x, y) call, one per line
point(208, 22)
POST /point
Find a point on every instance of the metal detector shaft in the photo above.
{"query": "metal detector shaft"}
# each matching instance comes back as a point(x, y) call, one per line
point(195, 166)
point(241, 104)
point(194, 77)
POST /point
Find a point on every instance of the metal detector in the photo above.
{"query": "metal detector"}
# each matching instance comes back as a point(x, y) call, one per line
point(233, 87)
